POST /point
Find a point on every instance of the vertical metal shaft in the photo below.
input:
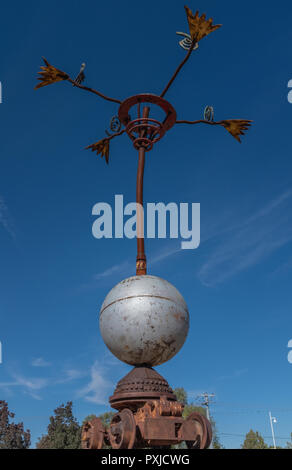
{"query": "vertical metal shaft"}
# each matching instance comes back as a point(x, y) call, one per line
point(141, 264)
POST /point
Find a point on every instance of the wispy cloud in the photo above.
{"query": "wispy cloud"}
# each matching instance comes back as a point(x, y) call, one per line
point(116, 269)
point(163, 255)
point(33, 385)
point(98, 388)
point(90, 384)
point(274, 204)
point(30, 386)
point(250, 241)
point(30, 383)
point(235, 375)
point(40, 362)
point(5, 219)
point(283, 268)
point(69, 375)
point(127, 266)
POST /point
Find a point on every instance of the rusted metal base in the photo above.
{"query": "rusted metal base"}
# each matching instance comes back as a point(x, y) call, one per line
point(149, 415)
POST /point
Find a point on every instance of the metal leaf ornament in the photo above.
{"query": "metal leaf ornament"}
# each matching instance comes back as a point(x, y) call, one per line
point(236, 127)
point(199, 26)
point(49, 74)
point(101, 147)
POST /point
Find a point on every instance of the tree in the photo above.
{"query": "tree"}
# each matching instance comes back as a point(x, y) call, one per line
point(181, 395)
point(216, 444)
point(106, 418)
point(253, 440)
point(88, 418)
point(12, 436)
point(189, 408)
point(289, 444)
point(64, 432)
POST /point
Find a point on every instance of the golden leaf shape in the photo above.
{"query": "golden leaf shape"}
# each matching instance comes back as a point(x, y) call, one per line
point(101, 147)
point(50, 74)
point(199, 26)
point(236, 127)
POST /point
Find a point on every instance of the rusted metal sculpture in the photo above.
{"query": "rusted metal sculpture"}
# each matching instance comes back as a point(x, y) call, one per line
point(149, 414)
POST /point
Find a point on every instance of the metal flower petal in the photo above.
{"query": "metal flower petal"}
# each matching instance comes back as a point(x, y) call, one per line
point(199, 26)
point(101, 147)
point(236, 127)
point(49, 74)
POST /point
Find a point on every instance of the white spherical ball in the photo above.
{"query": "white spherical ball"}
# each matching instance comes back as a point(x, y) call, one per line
point(144, 320)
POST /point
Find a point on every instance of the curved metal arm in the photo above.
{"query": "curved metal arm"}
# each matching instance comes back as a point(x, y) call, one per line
point(235, 127)
point(200, 121)
point(179, 68)
point(110, 137)
point(50, 74)
point(101, 95)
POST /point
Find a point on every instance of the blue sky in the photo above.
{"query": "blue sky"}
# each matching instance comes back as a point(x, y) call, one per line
point(54, 275)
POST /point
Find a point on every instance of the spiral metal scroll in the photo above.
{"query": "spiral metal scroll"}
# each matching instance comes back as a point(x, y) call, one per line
point(187, 42)
point(115, 126)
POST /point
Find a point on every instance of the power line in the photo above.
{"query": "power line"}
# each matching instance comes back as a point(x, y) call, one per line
point(245, 411)
point(250, 406)
point(244, 435)
point(205, 399)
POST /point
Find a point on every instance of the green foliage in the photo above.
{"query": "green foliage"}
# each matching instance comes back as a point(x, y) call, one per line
point(88, 418)
point(253, 440)
point(12, 436)
point(181, 395)
point(216, 444)
point(216, 441)
point(64, 432)
point(191, 408)
point(289, 444)
point(106, 418)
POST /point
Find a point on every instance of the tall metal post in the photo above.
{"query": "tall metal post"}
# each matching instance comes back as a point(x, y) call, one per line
point(273, 420)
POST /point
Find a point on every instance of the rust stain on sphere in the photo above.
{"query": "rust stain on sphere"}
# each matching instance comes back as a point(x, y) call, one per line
point(144, 320)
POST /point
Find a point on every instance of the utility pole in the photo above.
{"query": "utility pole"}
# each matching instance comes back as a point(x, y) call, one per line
point(205, 399)
point(272, 421)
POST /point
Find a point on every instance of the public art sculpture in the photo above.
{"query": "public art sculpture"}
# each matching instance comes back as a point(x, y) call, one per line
point(144, 320)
